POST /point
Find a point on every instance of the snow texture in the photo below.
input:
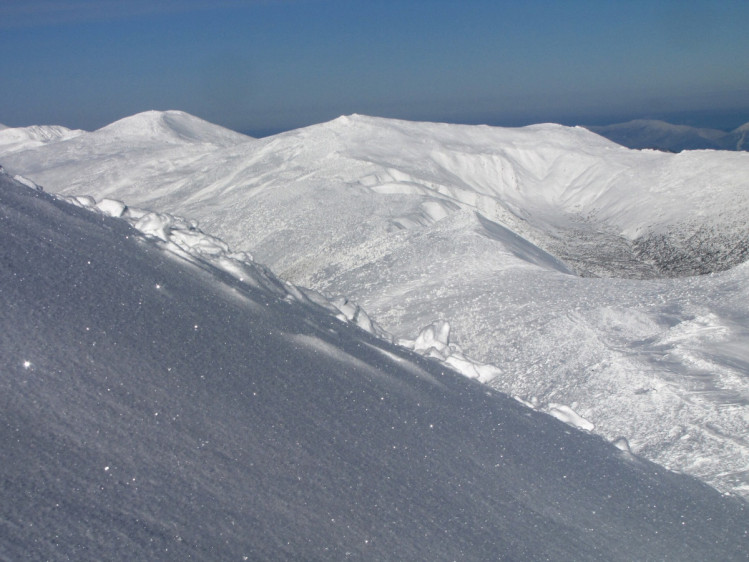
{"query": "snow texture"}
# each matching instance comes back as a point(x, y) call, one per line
point(563, 265)
point(155, 406)
point(13, 139)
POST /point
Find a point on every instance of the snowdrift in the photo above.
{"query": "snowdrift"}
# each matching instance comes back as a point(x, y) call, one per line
point(157, 406)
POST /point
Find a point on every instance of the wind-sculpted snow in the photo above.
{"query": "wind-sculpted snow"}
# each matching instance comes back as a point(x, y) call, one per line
point(484, 228)
point(581, 198)
point(185, 239)
point(154, 407)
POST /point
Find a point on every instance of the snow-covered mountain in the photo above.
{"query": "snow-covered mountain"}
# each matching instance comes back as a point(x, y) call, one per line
point(651, 133)
point(156, 127)
point(489, 229)
point(165, 398)
point(168, 138)
point(14, 139)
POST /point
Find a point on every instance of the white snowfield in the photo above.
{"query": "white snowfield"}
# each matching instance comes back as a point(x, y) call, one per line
point(13, 139)
point(163, 398)
point(561, 264)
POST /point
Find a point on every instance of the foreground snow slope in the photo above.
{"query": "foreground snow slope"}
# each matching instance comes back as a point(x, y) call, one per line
point(482, 227)
point(155, 407)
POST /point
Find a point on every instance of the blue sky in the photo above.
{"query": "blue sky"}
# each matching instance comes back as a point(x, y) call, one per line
point(262, 66)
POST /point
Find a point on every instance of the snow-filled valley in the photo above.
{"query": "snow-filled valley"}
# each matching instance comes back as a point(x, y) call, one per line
point(163, 397)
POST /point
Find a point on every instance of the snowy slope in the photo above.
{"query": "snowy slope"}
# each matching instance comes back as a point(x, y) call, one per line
point(168, 127)
point(482, 227)
point(17, 139)
point(156, 407)
point(155, 140)
point(565, 189)
point(649, 133)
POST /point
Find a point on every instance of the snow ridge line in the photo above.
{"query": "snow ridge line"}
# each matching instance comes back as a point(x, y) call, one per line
point(185, 239)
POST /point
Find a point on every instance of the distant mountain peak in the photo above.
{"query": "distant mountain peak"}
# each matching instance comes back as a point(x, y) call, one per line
point(171, 126)
point(660, 135)
point(20, 138)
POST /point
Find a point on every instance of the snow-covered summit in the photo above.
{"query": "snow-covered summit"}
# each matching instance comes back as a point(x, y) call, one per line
point(164, 136)
point(147, 143)
point(169, 127)
point(602, 209)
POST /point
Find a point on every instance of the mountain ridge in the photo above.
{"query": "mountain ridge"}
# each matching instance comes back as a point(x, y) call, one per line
point(660, 135)
point(16, 139)
point(170, 125)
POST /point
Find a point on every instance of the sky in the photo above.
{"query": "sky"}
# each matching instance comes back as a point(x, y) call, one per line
point(262, 66)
